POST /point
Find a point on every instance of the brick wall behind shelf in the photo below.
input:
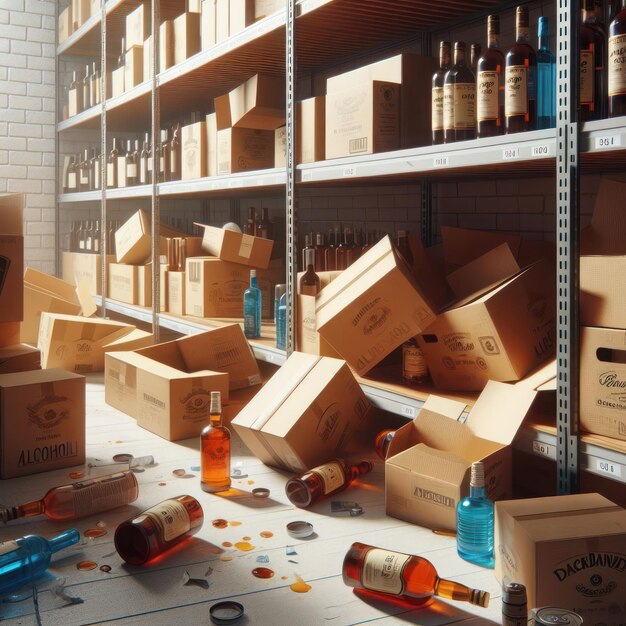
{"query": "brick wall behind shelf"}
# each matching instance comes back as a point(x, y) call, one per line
point(27, 120)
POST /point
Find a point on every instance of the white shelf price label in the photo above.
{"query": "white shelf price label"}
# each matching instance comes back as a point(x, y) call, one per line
point(607, 467)
point(608, 142)
point(441, 161)
point(509, 154)
point(544, 449)
point(540, 150)
point(349, 171)
point(408, 411)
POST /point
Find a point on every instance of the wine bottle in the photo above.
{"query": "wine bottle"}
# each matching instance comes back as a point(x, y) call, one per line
point(112, 163)
point(320, 252)
point(490, 84)
point(546, 78)
point(131, 164)
point(71, 180)
point(85, 86)
point(459, 99)
point(404, 576)
point(263, 227)
point(215, 450)
point(250, 226)
point(176, 156)
point(437, 92)
point(323, 481)
point(475, 52)
point(94, 168)
point(595, 47)
point(252, 308)
point(309, 283)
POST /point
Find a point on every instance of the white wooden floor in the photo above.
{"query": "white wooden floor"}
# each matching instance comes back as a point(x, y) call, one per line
point(156, 595)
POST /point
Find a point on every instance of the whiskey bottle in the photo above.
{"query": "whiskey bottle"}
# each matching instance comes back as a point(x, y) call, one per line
point(73, 244)
point(345, 253)
point(250, 226)
point(309, 283)
point(593, 96)
point(414, 367)
point(475, 52)
point(79, 499)
point(323, 481)
point(437, 92)
point(330, 261)
point(215, 450)
point(320, 252)
point(88, 236)
point(112, 162)
point(382, 441)
point(459, 99)
point(153, 532)
point(490, 84)
point(407, 577)
point(520, 106)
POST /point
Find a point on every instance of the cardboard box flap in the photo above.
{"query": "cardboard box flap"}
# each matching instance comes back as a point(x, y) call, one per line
point(608, 222)
point(11, 206)
point(435, 464)
point(85, 298)
point(52, 375)
point(167, 353)
point(541, 379)
point(58, 288)
point(444, 406)
point(568, 504)
point(128, 341)
point(97, 330)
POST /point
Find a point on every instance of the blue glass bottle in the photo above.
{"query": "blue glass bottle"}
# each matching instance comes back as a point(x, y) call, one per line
point(252, 309)
point(546, 78)
point(281, 323)
point(279, 290)
point(27, 558)
point(475, 521)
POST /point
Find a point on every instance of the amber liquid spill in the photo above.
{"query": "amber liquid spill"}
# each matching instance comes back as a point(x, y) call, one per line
point(251, 482)
point(227, 544)
point(284, 577)
point(263, 572)
point(219, 523)
point(235, 523)
point(266, 534)
point(226, 558)
point(162, 484)
point(75, 475)
point(94, 533)
point(300, 586)
point(244, 546)
point(247, 538)
point(85, 566)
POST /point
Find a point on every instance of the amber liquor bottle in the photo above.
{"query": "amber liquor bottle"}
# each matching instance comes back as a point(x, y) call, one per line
point(459, 99)
point(437, 92)
point(490, 84)
point(309, 283)
point(324, 480)
point(520, 105)
point(617, 63)
point(475, 52)
point(591, 47)
point(593, 20)
point(404, 576)
point(215, 450)
point(153, 532)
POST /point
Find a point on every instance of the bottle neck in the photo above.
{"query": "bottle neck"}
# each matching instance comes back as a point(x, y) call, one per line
point(477, 492)
point(65, 540)
point(358, 469)
point(521, 30)
point(253, 281)
point(456, 591)
point(544, 42)
point(494, 40)
point(459, 56)
point(215, 419)
point(444, 57)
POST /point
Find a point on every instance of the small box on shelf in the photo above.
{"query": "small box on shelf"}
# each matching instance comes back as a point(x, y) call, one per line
point(280, 147)
point(311, 130)
point(118, 77)
point(258, 103)
point(186, 36)
point(241, 15)
point(133, 67)
point(176, 293)
point(147, 58)
point(208, 18)
point(138, 24)
point(81, 12)
point(211, 142)
point(80, 266)
point(131, 284)
point(222, 19)
point(244, 150)
point(236, 247)
point(166, 45)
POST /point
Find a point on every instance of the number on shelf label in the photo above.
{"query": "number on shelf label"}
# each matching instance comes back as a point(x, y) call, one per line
point(307, 175)
point(349, 171)
point(441, 161)
point(541, 150)
point(608, 141)
point(544, 449)
point(408, 411)
point(510, 153)
point(608, 467)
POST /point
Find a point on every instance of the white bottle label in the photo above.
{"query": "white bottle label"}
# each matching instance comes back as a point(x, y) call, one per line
point(332, 476)
point(84, 179)
point(8, 546)
point(617, 67)
point(149, 164)
point(448, 107)
point(171, 517)
point(464, 106)
point(516, 90)
point(487, 105)
point(131, 170)
point(587, 72)
point(111, 182)
point(382, 571)
point(71, 180)
point(414, 362)
point(437, 108)
point(106, 493)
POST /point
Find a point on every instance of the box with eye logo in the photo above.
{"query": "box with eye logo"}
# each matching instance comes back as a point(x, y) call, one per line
point(42, 421)
point(305, 414)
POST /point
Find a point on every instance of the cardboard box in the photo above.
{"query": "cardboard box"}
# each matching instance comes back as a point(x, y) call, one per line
point(567, 551)
point(166, 45)
point(603, 381)
point(412, 72)
point(11, 258)
point(78, 344)
point(42, 415)
point(147, 58)
point(222, 18)
point(186, 36)
point(19, 358)
point(120, 380)
point(43, 292)
point(138, 25)
point(311, 130)
point(130, 283)
point(81, 12)
point(193, 6)
point(280, 147)
point(229, 245)
point(176, 292)
point(475, 340)
point(96, 7)
point(66, 24)
point(259, 103)
point(133, 67)
point(244, 150)
point(241, 15)
point(372, 308)
point(363, 120)
point(263, 8)
point(305, 414)
point(211, 143)
point(215, 288)
point(79, 267)
point(208, 17)
point(9, 334)
point(118, 78)
point(195, 151)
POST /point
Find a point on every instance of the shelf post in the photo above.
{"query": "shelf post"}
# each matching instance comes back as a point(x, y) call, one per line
point(567, 240)
point(103, 161)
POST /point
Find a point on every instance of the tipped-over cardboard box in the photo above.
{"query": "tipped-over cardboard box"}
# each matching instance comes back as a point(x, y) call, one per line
point(372, 308)
point(19, 358)
point(42, 421)
point(11, 257)
point(78, 267)
point(568, 551)
point(130, 283)
point(43, 292)
point(78, 344)
point(305, 414)
point(236, 247)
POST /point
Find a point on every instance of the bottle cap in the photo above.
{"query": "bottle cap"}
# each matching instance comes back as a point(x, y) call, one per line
point(216, 402)
point(478, 474)
point(459, 45)
point(279, 290)
point(252, 273)
point(515, 594)
point(300, 530)
point(227, 612)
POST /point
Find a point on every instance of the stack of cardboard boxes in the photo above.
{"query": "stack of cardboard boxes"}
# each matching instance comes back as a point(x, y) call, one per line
point(75, 15)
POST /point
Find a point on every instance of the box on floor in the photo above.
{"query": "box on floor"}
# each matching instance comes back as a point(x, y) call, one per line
point(19, 358)
point(11, 257)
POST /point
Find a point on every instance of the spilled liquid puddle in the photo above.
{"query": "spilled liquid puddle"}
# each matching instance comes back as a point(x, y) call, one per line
point(226, 558)
point(263, 572)
point(247, 538)
point(235, 523)
point(75, 475)
point(251, 482)
point(266, 534)
point(300, 586)
point(219, 523)
point(94, 533)
point(244, 546)
point(85, 566)
point(227, 544)
point(162, 484)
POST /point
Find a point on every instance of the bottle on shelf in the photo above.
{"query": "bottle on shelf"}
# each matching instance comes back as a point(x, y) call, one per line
point(81, 236)
point(96, 238)
point(94, 168)
point(250, 225)
point(88, 236)
point(112, 165)
point(382, 441)
point(475, 522)
point(75, 95)
point(263, 226)
point(121, 59)
point(131, 164)
point(475, 52)
point(281, 323)
point(27, 558)
point(490, 84)
point(323, 481)
point(279, 290)
point(520, 102)
point(145, 170)
point(593, 96)
point(73, 243)
point(617, 62)
point(546, 78)
point(79, 499)
point(71, 177)
point(330, 255)
point(164, 157)
point(437, 92)
point(414, 367)
point(85, 182)
point(309, 283)
point(215, 450)
point(159, 528)
point(514, 605)
point(252, 308)
point(86, 87)
point(345, 253)
point(94, 85)
point(407, 577)
point(308, 245)
point(176, 157)
point(459, 99)
point(320, 252)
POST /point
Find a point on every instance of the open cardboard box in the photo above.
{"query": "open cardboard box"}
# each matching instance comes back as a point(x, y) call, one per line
point(11, 257)
point(427, 470)
point(78, 344)
point(43, 292)
point(305, 414)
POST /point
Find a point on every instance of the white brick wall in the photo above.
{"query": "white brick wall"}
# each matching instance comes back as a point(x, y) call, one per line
point(27, 120)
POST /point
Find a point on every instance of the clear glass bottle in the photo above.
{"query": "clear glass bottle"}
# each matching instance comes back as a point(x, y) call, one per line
point(459, 99)
point(475, 522)
point(112, 165)
point(546, 78)
point(414, 366)
point(84, 172)
point(437, 92)
point(96, 238)
point(94, 166)
point(79, 499)
point(153, 532)
point(86, 87)
point(404, 576)
point(514, 605)
point(490, 84)
point(131, 164)
point(382, 441)
point(309, 283)
point(27, 558)
point(323, 481)
point(281, 323)
point(145, 160)
point(71, 177)
point(252, 308)
point(215, 450)
point(94, 85)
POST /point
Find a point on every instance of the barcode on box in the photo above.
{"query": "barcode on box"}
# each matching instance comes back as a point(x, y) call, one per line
point(357, 145)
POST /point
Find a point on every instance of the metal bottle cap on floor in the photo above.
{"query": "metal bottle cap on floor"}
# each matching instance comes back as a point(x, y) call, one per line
point(227, 612)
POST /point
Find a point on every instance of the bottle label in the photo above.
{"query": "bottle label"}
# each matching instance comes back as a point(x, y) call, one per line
point(92, 496)
point(111, 175)
point(448, 107)
point(131, 170)
point(382, 571)
point(586, 76)
point(171, 517)
point(487, 106)
point(516, 94)
point(8, 546)
point(71, 180)
point(464, 105)
point(149, 164)
point(84, 179)
point(332, 476)
point(437, 102)
point(617, 70)
point(414, 362)
point(173, 167)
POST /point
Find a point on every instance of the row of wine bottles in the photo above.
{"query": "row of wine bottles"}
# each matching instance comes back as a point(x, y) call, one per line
point(86, 236)
point(84, 91)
